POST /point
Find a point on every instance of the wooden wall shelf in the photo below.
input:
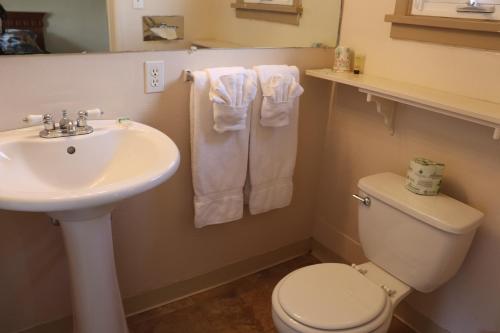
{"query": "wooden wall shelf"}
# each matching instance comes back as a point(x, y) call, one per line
point(386, 93)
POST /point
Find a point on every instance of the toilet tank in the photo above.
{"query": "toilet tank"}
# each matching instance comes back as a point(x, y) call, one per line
point(421, 240)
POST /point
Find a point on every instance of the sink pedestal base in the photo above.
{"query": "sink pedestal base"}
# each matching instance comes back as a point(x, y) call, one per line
point(97, 303)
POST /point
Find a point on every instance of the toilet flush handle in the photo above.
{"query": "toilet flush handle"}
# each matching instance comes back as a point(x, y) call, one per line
point(365, 201)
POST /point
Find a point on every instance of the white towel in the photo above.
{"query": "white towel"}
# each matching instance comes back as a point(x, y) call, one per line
point(232, 90)
point(279, 89)
point(273, 151)
point(219, 161)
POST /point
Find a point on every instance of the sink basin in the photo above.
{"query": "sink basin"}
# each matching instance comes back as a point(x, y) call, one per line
point(78, 181)
point(113, 163)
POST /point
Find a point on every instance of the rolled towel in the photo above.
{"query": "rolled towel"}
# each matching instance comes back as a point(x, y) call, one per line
point(232, 91)
point(280, 90)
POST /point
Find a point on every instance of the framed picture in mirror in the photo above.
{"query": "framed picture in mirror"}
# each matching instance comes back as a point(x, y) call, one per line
point(280, 11)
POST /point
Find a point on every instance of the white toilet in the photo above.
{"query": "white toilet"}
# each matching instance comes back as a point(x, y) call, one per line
point(411, 241)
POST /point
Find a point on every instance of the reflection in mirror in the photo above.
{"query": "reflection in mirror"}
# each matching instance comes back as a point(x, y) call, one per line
point(54, 26)
point(75, 26)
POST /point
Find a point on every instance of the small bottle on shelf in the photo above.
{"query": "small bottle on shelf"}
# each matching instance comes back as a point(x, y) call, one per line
point(359, 63)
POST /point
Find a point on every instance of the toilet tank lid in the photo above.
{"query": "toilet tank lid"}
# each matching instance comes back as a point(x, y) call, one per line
point(440, 211)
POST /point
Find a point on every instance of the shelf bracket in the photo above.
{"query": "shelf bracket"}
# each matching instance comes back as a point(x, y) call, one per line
point(496, 134)
point(387, 94)
point(386, 108)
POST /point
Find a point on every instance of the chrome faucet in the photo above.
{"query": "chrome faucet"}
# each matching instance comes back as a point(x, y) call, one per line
point(65, 127)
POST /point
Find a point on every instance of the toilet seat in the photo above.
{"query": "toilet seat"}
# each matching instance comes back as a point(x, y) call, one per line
point(330, 298)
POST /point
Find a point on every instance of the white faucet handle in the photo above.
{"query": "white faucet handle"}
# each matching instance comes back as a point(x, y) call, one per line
point(33, 119)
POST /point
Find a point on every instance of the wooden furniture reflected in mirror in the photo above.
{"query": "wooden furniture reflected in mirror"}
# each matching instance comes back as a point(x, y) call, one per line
point(32, 21)
point(272, 10)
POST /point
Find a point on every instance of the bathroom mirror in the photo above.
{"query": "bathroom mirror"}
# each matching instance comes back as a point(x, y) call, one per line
point(89, 26)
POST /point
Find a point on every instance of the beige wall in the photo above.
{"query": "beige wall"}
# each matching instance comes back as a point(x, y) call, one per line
point(155, 241)
point(357, 145)
point(72, 26)
point(319, 24)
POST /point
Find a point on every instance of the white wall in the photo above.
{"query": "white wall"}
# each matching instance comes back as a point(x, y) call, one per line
point(358, 145)
point(72, 25)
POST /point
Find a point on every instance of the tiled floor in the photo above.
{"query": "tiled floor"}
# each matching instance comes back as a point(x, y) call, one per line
point(243, 306)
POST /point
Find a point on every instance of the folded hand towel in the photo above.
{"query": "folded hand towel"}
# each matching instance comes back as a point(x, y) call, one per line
point(273, 152)
point(219, 161)
point(232, 91)
point(280, 90)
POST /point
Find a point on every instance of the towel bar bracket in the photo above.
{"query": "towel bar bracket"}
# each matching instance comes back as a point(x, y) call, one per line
point(188, 76)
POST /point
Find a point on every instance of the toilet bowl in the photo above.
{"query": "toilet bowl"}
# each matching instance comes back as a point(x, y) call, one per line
point(412, 242)
point(336, 298)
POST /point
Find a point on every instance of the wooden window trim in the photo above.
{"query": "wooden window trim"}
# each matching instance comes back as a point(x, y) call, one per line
point(268, 12)
point(482, 34)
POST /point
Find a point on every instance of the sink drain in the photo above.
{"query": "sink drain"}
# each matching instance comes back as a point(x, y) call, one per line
point(71, 150)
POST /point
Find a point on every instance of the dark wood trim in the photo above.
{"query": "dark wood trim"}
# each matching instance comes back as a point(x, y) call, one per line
point(445, 22)
point(294, 9)
point(452, 37)
point(268, 12)
point(403, 7)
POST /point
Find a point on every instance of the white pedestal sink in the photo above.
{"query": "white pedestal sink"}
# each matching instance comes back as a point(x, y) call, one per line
point(78, 180)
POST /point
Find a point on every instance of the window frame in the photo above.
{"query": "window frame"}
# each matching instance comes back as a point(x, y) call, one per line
point(473, 33)
point(270, 2)
point(269, 12)
point(448, 8)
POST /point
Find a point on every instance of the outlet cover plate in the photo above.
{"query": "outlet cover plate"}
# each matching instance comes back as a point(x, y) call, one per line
point(154, 76)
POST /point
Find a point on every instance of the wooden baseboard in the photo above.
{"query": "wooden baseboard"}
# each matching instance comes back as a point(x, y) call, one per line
point(215, 278)
point(324, 254)
point(179, 290)
point(416, 320)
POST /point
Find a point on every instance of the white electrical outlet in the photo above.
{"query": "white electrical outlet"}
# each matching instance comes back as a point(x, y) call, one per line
point(154, 75)
point(138, 4)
